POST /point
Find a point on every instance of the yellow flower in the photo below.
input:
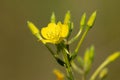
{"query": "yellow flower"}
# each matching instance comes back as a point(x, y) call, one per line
point(59, 75)
point(54, 33)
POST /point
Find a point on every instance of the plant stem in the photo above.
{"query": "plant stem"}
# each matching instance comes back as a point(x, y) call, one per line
point(80, 42)
point(67, 65)
point(76, 37)
point(76, 68)
point(105, 63)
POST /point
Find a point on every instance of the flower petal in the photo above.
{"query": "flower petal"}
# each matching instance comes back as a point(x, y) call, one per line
point(64, 31)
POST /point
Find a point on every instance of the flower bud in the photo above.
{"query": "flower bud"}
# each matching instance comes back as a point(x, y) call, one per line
point(67, 18)
point(53, 18)
point(34, 29)
point(82, 22)
point(88, 58)
point(91, 19)
point(114, 56)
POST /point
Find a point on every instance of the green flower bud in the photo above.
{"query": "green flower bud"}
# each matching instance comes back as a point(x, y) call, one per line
point(53, 19)
point(34, 29)
point(83, 19)
point(91, 19)
point(88, 58)
point(80, 60)
point(67, 18)
point(113, 57)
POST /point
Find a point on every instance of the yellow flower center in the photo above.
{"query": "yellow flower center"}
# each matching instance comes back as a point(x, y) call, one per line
point(54, 33)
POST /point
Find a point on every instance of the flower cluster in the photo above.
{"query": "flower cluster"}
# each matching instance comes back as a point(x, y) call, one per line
point(58, 33)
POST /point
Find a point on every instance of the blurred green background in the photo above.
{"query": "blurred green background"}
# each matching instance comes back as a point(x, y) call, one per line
point(23, 58)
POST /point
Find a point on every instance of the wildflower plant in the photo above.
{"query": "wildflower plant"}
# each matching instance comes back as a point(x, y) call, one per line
point(58, 34)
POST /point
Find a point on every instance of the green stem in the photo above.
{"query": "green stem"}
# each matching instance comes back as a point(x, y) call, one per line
point(75, 67)
point(76, 37)
point(80, 42)
point(105, 63)
point(68, 65)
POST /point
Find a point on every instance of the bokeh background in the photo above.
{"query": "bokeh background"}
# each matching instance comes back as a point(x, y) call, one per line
point(23, 58)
